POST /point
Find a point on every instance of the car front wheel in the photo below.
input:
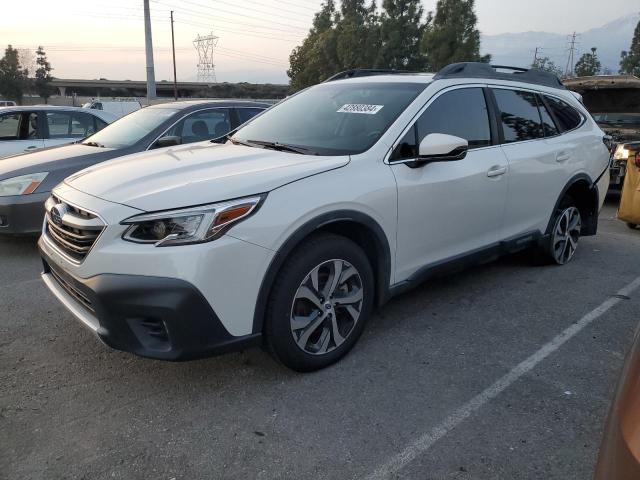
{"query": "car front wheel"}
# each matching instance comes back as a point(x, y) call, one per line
point(320, 303)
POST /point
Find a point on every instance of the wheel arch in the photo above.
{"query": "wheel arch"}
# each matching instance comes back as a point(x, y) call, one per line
point(358, 227)
point(585, 193)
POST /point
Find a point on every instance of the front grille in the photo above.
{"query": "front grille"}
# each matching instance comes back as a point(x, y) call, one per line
point(71, 290)
point(72, 229)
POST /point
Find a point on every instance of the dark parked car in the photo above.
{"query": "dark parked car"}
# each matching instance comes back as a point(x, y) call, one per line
point(26, 180)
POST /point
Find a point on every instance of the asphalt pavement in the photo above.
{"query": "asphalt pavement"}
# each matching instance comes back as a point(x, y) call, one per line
point(503, 371)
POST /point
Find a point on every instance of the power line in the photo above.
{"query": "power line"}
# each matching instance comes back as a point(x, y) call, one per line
point(261, 19)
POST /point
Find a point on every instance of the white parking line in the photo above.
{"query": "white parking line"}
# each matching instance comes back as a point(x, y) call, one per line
point(426, 441)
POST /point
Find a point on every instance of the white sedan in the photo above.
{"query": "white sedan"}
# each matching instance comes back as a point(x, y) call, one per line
point(26, 129)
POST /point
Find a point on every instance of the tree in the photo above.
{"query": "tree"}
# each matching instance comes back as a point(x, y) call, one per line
point(547, 65)
point(316, 58)
point(588, 64)
point(630, 60)
point(401, 31)
point(13, 78)
point(355, 30)
point(43, 78)
point(451, 35)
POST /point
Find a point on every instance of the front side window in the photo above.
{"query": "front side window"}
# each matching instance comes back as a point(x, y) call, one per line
point(10, 126)
point(462, 113)
point(200, 126)
point(568, 117)
point(519, 115)
point(131, 128)
point(82, 125)
point(334, 118)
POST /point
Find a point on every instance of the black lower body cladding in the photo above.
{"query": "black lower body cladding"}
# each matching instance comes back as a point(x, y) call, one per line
point(160, 318)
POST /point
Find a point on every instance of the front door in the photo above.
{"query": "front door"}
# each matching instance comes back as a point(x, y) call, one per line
point(450, 208)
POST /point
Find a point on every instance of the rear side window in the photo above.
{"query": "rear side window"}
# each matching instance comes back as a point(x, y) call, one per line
point(246, 114)
point(519, 115)
point(550, 129)
point(567, 117)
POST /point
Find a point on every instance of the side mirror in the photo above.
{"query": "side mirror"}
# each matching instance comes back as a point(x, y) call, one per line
point(438, 147)
point(168, 141)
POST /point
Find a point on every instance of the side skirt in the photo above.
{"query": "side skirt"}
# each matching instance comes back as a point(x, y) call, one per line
point(466, 260)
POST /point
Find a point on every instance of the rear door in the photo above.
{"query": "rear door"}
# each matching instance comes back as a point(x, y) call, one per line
point(20, 132)
point(447, 209)
point(537, 157)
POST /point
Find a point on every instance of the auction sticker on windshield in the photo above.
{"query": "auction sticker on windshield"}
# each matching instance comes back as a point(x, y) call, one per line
point(360, 108)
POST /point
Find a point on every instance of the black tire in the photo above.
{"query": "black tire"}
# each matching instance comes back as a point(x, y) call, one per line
point(548, 252)
point(318, 254)
point(632, 226)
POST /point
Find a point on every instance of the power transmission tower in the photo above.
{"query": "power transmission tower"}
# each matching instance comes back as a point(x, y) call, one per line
point(572, 52)
point(148, 42)
point(206, 68)
point(535, 57)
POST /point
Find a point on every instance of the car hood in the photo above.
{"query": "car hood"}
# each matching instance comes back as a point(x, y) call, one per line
point(197, 174)
point(51, 159)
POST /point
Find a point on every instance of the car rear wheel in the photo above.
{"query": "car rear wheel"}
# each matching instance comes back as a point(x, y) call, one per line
point(320, 302)
point(565, 233)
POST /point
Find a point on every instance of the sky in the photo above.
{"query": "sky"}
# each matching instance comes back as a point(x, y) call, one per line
point(105, 38)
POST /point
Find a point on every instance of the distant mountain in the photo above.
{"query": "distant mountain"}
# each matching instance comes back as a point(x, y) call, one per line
point(517, 49)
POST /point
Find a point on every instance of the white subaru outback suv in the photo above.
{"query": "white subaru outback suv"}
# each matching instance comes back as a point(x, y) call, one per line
point(322, 208)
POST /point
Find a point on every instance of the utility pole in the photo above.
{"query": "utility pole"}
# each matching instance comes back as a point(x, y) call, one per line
point(173, 48)
point(535, 57)
point(572, 51)
point(151, 78)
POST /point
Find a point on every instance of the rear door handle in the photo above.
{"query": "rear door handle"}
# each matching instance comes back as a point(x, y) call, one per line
point(30, 147)
point(496, 171)
point(562, 157)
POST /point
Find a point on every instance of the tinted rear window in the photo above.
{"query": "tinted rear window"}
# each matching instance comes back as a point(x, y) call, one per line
point(567, 117)
point(519, 115)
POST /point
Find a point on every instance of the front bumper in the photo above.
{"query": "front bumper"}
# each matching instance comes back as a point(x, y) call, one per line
point(154, 317)
point(22, 214)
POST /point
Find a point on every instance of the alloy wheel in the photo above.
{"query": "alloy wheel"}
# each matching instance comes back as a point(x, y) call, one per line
point(566, 235)
point(326, 307)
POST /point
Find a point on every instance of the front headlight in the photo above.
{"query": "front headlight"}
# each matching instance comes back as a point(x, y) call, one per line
point(621, 153)
point(22, 185)
point(189, 225)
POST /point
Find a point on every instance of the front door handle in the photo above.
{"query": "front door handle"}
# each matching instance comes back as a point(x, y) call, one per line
point(496, 171)
point(562, 157)
point(30, 147)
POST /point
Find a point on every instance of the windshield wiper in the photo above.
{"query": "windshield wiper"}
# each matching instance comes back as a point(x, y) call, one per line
point(235, 141)
point(283, 147)
point(93, 144)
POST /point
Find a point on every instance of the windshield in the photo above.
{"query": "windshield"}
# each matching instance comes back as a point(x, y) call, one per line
point(130, 129)
point(631, 119)
point(333, 118)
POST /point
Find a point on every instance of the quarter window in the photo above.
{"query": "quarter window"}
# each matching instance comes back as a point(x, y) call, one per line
point(567, 117)
point(519, 115)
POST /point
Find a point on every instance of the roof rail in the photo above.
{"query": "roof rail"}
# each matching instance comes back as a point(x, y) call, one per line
point(364, 72)
point(484, 70)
